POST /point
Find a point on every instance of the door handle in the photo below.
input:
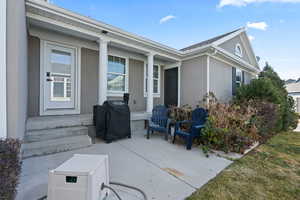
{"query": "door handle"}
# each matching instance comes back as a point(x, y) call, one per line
point(49, 79)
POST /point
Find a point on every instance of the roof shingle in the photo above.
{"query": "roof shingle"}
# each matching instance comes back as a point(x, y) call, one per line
point(207, 42)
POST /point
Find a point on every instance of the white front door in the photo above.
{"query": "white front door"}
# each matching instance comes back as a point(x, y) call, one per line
point(59, 79)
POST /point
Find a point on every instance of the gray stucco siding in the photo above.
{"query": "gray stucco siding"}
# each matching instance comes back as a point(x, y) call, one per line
point(230, 47)
point(89, 80)
point(16, 63)
point(33, 76)
point(221, 80)
point(248, 77)
point(193, 80)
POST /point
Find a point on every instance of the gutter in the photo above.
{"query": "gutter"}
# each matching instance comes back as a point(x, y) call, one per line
point(41, 5)
point(184, 55)
point(99, 25)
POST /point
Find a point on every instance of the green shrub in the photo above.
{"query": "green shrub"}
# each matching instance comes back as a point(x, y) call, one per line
point(258, 89)
point(10, 167)
point(270, 88)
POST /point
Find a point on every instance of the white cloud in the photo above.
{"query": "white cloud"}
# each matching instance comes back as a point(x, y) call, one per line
point(251, 38)
point(258, 25)
point(223, 3)
point(166, 18)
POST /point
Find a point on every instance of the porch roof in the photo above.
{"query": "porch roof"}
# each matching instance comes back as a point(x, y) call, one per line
point(49, 16)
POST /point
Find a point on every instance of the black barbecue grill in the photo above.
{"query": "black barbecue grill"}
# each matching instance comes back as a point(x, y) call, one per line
point(112, 120)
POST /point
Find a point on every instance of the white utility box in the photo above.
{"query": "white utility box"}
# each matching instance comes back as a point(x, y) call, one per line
point(79, 178)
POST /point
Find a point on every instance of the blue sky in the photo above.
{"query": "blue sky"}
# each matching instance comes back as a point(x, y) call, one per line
point(274, 25)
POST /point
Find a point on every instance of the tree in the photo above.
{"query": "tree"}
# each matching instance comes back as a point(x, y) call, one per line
point(271, 88)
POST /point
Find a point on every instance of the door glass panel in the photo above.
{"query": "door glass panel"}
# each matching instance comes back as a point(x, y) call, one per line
point(61, 71)
point(58, 89)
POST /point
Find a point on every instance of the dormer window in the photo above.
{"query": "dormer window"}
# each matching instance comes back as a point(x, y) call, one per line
point(238, 50)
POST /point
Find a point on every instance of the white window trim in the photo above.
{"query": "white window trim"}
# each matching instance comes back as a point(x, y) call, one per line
point(77, 95)
point(111, 93)
point(157, 95)
point(236, 51)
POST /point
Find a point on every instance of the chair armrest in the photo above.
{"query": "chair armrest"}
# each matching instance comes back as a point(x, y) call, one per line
point(199, 126)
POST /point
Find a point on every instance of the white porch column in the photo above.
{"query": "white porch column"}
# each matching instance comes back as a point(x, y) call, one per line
point(207, 79)
point(102, 69)
point(150, 83)
point(3, 103)
point(179, 84)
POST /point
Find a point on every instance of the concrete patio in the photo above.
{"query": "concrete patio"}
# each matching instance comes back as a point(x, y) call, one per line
point(298, 127)
point(163, 170)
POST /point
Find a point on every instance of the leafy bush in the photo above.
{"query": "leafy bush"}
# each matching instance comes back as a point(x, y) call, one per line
point(258, 89)
point(10, 167)
point(181, 113)
point(270, 88)
point(230, 128)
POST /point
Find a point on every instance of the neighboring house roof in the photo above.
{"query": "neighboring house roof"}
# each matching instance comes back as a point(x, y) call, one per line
point(209, 41)
point(289, 81)
point(293, 87)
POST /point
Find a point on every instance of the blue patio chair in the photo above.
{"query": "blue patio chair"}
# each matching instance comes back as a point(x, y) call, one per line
point(158, 121)
point(199, 116)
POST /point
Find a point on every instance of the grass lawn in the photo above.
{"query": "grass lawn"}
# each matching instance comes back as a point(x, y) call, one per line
point(272, 171)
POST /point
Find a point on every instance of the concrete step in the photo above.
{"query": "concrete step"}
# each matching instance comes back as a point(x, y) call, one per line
point(55, 145)
point(48, 134)
point(51, 122)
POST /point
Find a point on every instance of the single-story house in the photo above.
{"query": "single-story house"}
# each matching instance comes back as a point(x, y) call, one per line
point(293, 90)
point(57, 64)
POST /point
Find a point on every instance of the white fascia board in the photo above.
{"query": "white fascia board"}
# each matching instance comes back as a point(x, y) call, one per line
point(57, 11)
point(84, 31)
point(224, 39)
point(251, 48)
point(97, 24)
point(228, 37)
point(3, 103)
point(237, 59)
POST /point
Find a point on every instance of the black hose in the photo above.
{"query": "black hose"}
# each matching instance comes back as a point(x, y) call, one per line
point(111, 189)
point(131, 187)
